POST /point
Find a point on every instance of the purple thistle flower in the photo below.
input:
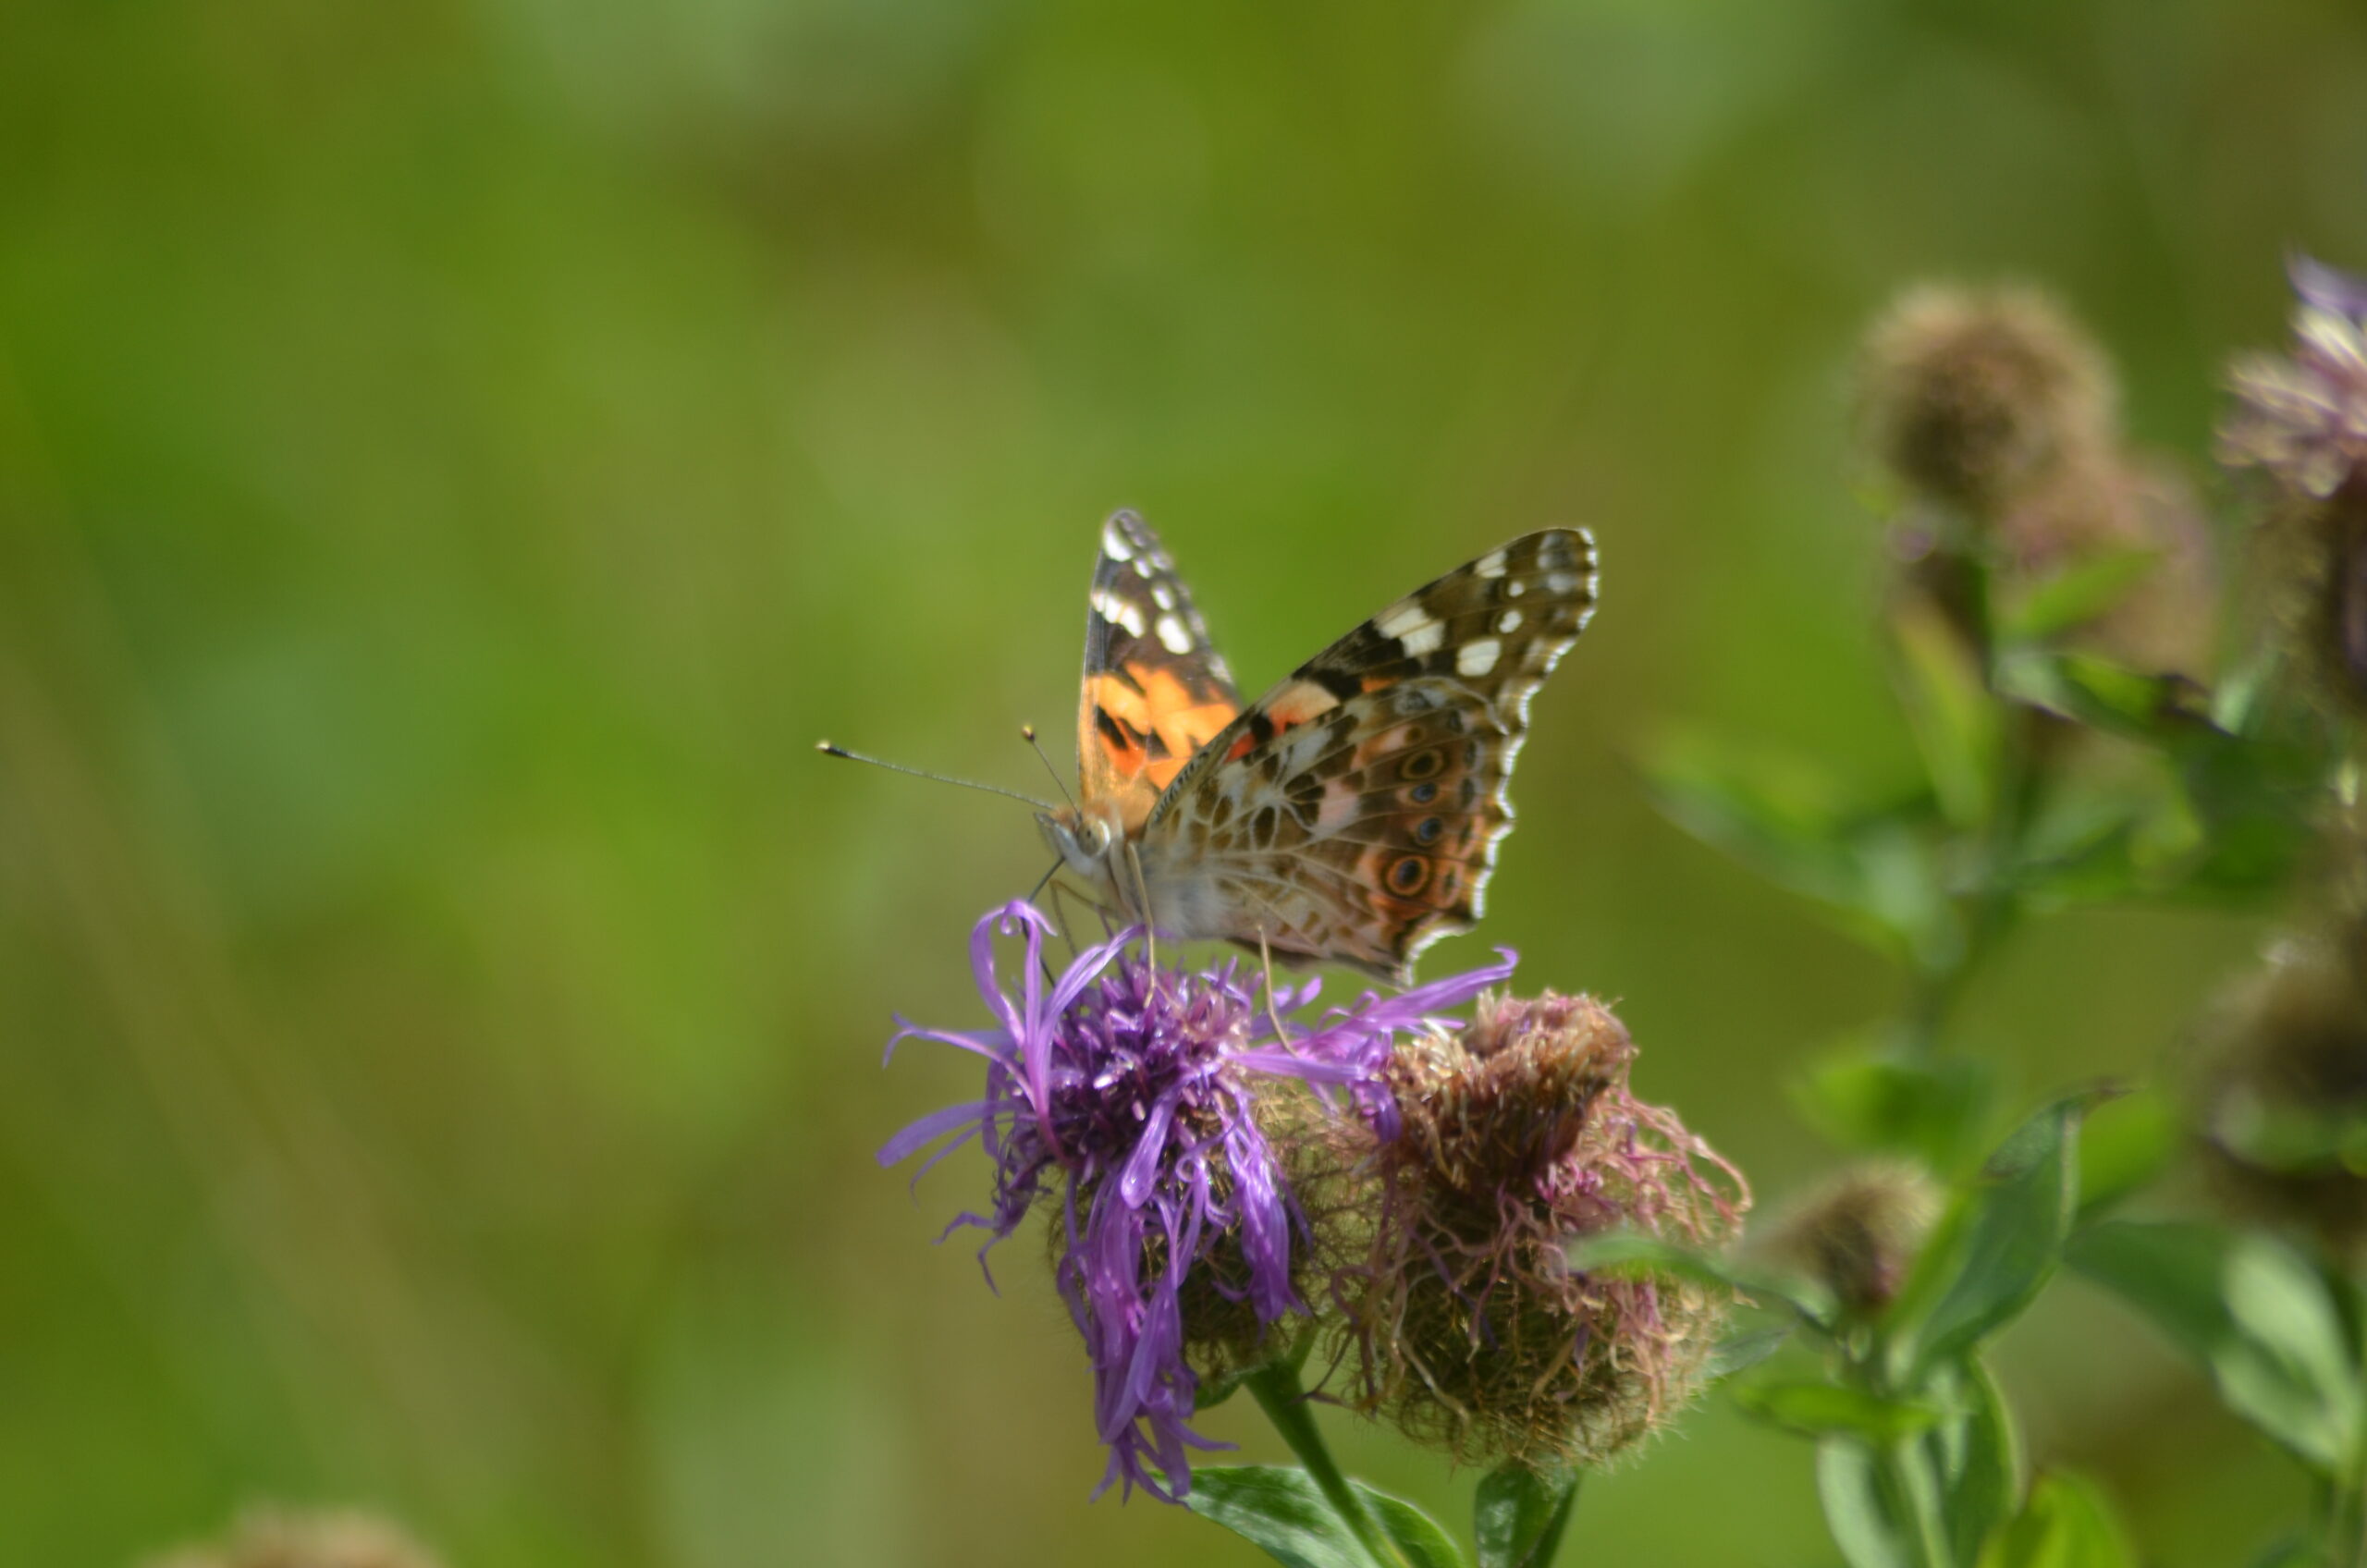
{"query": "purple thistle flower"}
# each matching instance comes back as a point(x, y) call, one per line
point(1129, 1089)
point(2303, 417)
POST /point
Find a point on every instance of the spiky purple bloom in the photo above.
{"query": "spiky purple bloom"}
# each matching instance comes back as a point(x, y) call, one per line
point(1126, 1089)
point(2303, 416)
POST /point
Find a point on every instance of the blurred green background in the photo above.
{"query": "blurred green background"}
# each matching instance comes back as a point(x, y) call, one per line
point(455, 459)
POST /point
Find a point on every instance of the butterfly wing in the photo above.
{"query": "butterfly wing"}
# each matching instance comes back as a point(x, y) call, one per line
point(1352, 812)
point(1154, 690)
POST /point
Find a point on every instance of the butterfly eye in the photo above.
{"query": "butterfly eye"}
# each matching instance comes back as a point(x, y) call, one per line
point(1421, 765)
point(1428, 831)
point(1423, 794)
point(1409, 875)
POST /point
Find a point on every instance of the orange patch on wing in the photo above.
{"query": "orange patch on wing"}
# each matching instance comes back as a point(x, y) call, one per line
point(1165, 706)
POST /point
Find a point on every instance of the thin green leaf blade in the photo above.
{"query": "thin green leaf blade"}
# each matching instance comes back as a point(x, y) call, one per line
point(1519, 1516)
point(1819, 1409)
point(1278, 1509)
point(2255, 1316)
point(1867, 1524)
point(1998, 1243)
point(1425, 1543)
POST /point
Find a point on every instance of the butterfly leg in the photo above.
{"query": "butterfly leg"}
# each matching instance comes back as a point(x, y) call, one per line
point(1266, 956)
point(1142, 906)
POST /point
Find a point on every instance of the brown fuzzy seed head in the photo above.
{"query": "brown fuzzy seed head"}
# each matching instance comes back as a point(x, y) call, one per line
point(1860, 1234)
point(1458, 1315)
point(2279, 1088)
point(276, 1539)
point(1969, 396)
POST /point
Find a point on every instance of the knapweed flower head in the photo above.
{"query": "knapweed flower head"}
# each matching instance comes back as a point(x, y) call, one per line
point(1860, 1233)
point(2303, 416)
point(1461, 1321)
point(1123, 1096)
point(1994, 414)
point(1970, 396)
point(2278, 1087)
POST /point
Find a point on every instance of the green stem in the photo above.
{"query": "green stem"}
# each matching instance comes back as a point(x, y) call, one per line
point(1276, 1389)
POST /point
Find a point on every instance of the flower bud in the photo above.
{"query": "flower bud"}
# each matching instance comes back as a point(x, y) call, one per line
point(2280, 1087)
point(1970, 396)
point(1860, 1234)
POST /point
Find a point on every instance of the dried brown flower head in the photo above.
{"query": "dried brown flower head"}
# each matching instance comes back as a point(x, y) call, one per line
point(1457, 1314)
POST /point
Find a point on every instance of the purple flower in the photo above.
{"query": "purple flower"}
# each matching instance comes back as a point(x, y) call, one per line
point(2304, 416)
point(1127, 1090)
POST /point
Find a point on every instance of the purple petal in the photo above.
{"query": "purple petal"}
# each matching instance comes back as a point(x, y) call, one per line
point(919, 1134)
point(2327, 289)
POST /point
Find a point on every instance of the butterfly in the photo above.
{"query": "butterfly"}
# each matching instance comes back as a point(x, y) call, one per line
point(1351, 814)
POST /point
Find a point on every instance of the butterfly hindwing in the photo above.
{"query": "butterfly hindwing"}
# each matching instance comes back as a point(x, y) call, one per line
point(1352, 812)
point(1154, 690)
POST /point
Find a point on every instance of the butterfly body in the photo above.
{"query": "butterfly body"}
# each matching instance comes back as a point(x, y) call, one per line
point(1352, 813)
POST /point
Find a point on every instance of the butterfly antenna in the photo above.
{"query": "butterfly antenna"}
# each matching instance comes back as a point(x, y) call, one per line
point(1027, 733)
point(829, 749)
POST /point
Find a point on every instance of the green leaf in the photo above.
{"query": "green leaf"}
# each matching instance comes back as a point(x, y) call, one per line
point(1867, 1522)
point(1740, 1352)
point(1819, 1409)
point(1278, 1508)
point(1980, 1457)
point(1419, 1536)
point(1520, 1514)
point(2123, 1147)
point(1957, 722)
point(1994, 1248)
point(2067, 1524)
point(1867, 1099)
point(2167, 711)
point(1872, 870)
point(1629, 1253)
point(2076, 594)
point(2258, 1320)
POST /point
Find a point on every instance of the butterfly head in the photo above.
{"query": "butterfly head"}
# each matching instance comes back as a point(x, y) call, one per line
point(1083, 839)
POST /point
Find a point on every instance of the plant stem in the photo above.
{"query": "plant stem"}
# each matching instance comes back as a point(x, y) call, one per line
point(1276, 1389)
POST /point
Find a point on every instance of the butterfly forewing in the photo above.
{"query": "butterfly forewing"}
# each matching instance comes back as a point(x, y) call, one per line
point(1154, 690)
point(1352, 812)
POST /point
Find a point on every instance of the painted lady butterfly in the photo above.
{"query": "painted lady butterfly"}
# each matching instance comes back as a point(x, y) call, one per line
point(1352, 813)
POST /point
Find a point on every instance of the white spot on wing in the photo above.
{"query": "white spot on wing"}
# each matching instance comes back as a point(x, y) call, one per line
point(1561, 581)
point(1120, 612)
point(1173, 636)
point(1163, 595)
point(1403, 619)
point(1515, 588)
point(1114, 545)
point(1489, 565)
point(1423, 639)
point(1476, 657)
point(1509, 621)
